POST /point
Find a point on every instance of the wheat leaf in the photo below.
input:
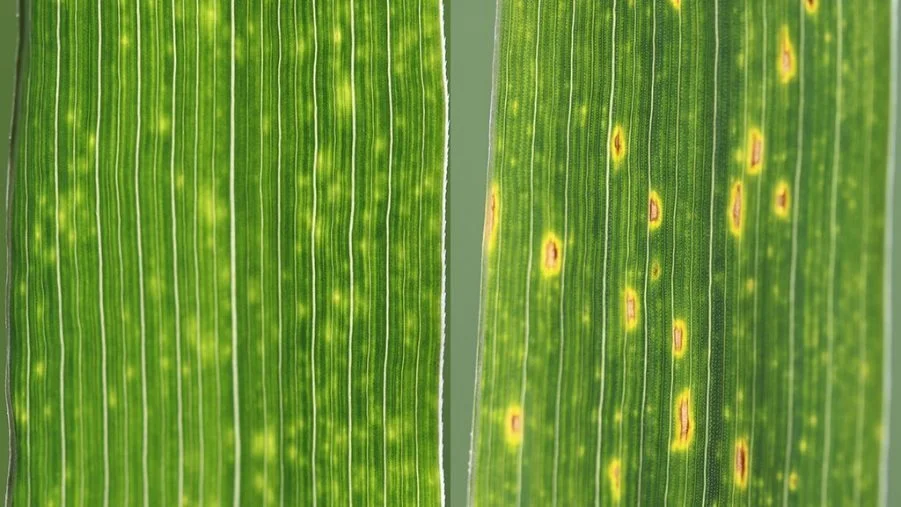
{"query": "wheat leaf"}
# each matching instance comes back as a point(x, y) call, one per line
point(684, 254)
point(227, 253)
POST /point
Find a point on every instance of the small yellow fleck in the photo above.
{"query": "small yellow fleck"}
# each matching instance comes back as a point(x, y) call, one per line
point(39, 369)
point(514, 424)
point(793, 481)
point(811, 6)
point(677, 4)
point(655, 270)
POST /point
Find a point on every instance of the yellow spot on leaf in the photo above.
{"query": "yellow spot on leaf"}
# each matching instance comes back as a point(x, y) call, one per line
point(618, 143)
point(551, 255)
point(685, 421)
point(492, 214)
point(811, 6)
point(793, 481)
point(755, 151)
point(615, 476)
point(655, 270)
point(736, 209)
point(677, 4)
point(514, 425)
point(781, 199)
point(655, 211)
point(786, 64)
point(631, 308)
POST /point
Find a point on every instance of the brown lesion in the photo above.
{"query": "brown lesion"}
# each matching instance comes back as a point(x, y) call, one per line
point(655, 270)
point(736, 210)
point(655, 210)
point(741, 463)
point(684, 420)
point(786, 57)
point(678, 338)
point(782, 199)
point(736, 207)
point(684, 431)
point(755, 151)
point(618, 143)
point(631, 303)
point(514, 424)
point(551, 255)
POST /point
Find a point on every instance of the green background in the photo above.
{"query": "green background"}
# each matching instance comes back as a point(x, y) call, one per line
point(470, 49)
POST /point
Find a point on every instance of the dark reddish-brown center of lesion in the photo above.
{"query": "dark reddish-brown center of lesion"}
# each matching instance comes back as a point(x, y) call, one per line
point(756, 151)
point(782, 199)
point(741, 461)
point(551, 255)
point(515, 423)
point(617, 143)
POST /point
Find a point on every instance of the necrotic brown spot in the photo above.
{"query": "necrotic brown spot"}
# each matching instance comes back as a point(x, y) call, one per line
point(684, 421)
point(736, 207)
point(677, 338)
point(551, 255)
point(741, 463)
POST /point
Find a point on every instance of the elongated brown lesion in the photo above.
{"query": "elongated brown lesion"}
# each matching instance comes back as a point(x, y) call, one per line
point(684, 419)
point(786, 64)
point(680, 338)
point(741, 463)
point(630, 301)
point(736, 209)
point(781, 199)
point(755, 151)
point(618, 143)
point(655, 210)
